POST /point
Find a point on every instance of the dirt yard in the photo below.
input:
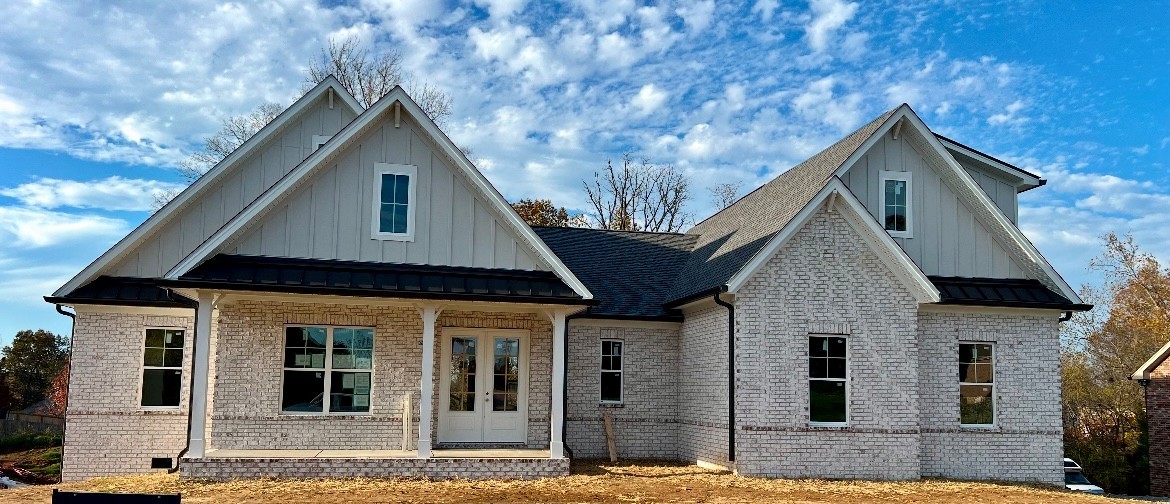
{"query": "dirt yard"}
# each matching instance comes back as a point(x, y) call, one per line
point(590, 482)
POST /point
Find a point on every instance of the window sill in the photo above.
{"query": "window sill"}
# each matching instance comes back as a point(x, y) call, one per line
point(338, 415)
point(161, 410)
point(979, 427)
point(394, 237)
point(829, 425)
point(900, 234)
point(611, 405)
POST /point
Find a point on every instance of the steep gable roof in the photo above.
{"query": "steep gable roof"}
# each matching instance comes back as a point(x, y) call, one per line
point(730, 238)
point(381, 110)
point(206, 183)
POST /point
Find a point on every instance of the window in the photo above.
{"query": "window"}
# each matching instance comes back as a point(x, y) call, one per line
point(327, 370)
point(828, 392)
point(319, 140)
point(976, 384)
point(895, 203)
point(162, 368)
point(611, 371)
point(394, 202)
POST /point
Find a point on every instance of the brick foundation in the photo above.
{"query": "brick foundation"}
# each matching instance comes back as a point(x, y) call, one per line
point(221, 469)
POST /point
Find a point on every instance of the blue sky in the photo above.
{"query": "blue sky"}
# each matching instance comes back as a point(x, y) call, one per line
point(98, 104)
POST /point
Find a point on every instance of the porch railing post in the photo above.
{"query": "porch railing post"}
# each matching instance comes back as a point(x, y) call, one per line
point(427, 383)
point(197, 444)
point(557, 444)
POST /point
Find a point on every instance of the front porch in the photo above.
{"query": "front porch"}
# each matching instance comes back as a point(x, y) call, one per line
point(223, 465)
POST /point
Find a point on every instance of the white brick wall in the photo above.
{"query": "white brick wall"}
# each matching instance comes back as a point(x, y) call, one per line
point(107, 432)
point(644, 425)
point(702, 386)
point(1026, 443)
point(827, 280)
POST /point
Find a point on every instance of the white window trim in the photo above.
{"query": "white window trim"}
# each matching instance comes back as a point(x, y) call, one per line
point(319, 140)
point(994, 403)
point(848, 392)
point(621, 372)
point(907, 177)
point(411, 171)
point(328, 370)
point(143, 367)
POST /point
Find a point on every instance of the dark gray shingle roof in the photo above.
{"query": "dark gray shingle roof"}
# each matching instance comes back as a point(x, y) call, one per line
point(629, 273)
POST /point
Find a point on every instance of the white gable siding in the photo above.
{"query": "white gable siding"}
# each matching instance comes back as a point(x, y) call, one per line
point(1002, 192)
point(947, 238)
point(331, 215)
point(243, 183)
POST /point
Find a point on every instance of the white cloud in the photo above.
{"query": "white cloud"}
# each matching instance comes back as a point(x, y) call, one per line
point(500, 9)
point(648, 99)
point(697, 15)
point(765, 8)
point(112, 193)
point(827, 17)
point(818, 102)
point(37, 228)
point(1010, 115)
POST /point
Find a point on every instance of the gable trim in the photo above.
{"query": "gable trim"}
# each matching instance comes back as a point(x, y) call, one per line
point(1144, 372)
point(1030, 252)
point(838, 196)
point(284, 187)
point(1027, 179)
point(181, 201)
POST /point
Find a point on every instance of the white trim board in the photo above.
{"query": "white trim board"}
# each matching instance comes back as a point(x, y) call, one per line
point(1015, 173)
point(838, 197)
point(285, 187)
point(208, 181)
point(1148, 367)
point(998, 222)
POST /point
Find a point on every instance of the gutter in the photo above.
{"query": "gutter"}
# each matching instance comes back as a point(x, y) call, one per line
point(730, 372)
point(65, 409)
point(565, 381)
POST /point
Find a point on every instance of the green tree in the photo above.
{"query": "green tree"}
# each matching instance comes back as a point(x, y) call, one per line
point(1104, 411)
point(30, 364)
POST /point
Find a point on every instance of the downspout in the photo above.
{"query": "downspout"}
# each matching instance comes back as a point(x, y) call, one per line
point(565, 381)
point(730, 373)
point(1064, 317)
point(190, 396)
point(65, 407)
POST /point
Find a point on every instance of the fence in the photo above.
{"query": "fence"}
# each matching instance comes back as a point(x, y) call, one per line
point(15, 422)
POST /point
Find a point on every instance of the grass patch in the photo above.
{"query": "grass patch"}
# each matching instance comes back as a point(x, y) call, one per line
point(29, 440)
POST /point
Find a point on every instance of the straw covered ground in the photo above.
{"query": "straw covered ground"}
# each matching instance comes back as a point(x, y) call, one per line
point(591, 481)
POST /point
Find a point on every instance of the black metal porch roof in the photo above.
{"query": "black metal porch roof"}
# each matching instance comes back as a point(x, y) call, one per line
point(126, 291)
point(1007, 292)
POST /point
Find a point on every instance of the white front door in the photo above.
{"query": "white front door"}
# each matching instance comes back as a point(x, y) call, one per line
point(484, 393)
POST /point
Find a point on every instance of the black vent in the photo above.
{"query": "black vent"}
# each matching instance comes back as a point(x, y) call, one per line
point(161, 463)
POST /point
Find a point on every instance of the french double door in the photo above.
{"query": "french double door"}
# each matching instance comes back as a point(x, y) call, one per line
point(484, 392)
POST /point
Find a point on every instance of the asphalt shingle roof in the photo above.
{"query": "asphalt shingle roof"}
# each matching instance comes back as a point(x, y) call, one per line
point(629, 273)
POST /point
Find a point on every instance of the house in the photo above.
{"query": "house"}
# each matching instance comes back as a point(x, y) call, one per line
point(1154, 376)
point(347, 295)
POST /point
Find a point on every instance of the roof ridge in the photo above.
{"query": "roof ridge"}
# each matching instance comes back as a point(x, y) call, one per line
point(663, 233)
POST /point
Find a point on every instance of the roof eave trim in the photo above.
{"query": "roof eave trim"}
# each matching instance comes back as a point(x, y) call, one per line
point(1029, 179)
point(115, 302)
point(368, 293)
point(192, 192)
point(1143, 373)
point(1033, 254)
point(1013, 304)
point(903, 266)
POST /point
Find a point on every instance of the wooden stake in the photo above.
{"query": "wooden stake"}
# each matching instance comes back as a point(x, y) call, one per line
point(609, 439)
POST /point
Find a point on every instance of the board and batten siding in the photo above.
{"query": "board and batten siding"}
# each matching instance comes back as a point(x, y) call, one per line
point(244, 182)
point(331, 215)
point(1001, 191)
point(947, 238)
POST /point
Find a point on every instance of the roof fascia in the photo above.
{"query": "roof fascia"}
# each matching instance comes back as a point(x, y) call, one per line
point(282, 188)
point(181, 201)
point(1143, 373)
point(838, 196)
point(1029, 180)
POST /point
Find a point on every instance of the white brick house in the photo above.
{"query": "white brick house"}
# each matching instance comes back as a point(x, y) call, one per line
point(347, 295)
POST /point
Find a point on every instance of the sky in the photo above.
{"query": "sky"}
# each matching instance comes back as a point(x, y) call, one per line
point(99, 102)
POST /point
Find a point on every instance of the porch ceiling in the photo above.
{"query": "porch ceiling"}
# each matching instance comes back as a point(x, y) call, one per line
point(347, 278)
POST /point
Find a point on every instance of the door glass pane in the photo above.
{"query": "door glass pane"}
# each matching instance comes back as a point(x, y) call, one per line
point(506, 374)
point(462, 374)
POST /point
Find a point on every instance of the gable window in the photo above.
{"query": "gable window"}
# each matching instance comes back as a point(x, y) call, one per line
point(327, 370)
point(611, 371)
point(976, 384)
point(162, 368)
point(394, 201)
point(319, 140)
point(827, 371)
point(895, 203)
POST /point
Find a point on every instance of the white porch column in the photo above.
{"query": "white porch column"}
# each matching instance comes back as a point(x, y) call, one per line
point(430, 314)
point(197, 444)
point(557, 445)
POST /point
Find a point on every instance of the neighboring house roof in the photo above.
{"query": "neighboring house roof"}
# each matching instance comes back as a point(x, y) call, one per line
point(729, 239)
point(351, 278)
point(125, 291)
point(1009, 292)
point(1144, 372)
point(207, 182)
point(287, 185)
point(631, 273)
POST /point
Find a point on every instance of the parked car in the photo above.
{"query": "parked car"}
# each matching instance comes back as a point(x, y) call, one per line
point(1075, 480)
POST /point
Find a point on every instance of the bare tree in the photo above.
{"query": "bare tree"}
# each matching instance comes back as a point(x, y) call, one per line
point(724, 194)
point(639, 196)
point(370, 77)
